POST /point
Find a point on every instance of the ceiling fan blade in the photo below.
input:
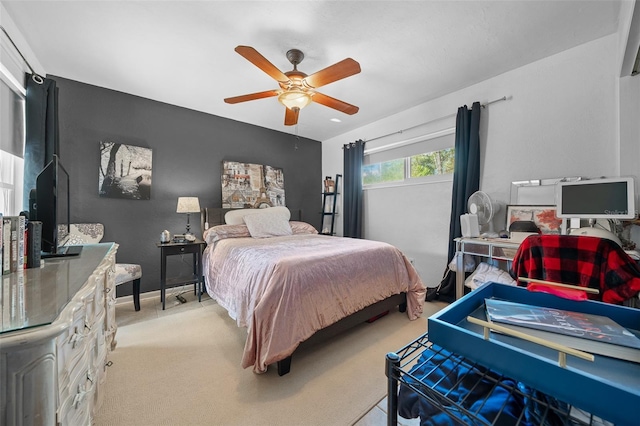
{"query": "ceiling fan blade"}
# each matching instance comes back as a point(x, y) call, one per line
point(291, 116)
point(335, 72)
point(334, 103)
point(253, 56)
point(252, 96)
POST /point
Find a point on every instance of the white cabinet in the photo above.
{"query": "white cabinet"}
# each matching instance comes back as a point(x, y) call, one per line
point(55, 344)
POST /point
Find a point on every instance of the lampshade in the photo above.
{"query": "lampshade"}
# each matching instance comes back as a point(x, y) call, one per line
point(188, 205)
point(295, 98)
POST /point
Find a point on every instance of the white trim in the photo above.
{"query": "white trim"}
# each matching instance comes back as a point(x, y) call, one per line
point(11, 81)
point(425, 180)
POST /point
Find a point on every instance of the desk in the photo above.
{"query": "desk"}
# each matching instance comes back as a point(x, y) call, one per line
point(490, 248)
point(172, 249)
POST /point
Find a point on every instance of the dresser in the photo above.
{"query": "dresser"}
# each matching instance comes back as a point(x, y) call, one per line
point(57, 330)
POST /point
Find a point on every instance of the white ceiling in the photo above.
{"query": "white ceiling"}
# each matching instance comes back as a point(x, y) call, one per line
point(181, 52)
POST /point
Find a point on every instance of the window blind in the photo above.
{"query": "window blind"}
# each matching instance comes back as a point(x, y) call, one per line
point(11, 121)
point(418, 145)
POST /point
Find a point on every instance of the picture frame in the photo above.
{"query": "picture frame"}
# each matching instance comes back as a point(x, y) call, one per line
point(254, 186)
point(544, 216)
point(125, 171)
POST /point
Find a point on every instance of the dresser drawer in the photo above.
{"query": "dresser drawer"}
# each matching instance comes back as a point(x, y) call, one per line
point(71, 344)
point(77, 398)
point(110, 301)
point(98, 281)
point(78, 390)
point(101, 378)
point(90, 309)
point(97, 346)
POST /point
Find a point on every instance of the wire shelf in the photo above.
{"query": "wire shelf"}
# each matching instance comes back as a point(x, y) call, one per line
point(416, 366)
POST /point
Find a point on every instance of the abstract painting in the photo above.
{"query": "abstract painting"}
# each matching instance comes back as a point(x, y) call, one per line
point(543, 216)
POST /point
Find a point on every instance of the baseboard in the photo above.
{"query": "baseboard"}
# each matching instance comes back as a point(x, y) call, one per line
point(149, 295)
point(129, 299)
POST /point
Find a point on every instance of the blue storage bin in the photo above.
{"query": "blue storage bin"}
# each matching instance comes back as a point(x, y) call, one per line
point(607, 387)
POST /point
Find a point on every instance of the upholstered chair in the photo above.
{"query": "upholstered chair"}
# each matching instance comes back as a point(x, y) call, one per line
point(92, 233)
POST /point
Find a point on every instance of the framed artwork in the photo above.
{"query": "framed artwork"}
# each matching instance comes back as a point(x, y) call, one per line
point(253, 186)
point(543, 216)
point(125, 171)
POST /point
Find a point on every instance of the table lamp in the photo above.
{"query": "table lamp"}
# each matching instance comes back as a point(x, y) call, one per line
point(188, 205)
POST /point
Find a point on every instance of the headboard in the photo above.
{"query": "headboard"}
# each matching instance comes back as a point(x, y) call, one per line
point(215, 216)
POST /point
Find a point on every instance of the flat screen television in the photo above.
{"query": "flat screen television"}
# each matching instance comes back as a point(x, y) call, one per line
point(604, 198)
point(52, 208)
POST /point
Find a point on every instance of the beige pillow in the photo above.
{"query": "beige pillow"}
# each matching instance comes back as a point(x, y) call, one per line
point(268, 225)
point(221, 232)
point(236, 217)
point(302, 228)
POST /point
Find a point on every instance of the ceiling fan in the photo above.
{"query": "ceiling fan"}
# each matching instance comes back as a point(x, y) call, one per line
point(297, 89)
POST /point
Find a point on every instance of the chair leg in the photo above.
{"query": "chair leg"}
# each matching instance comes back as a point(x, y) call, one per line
point(136, 294)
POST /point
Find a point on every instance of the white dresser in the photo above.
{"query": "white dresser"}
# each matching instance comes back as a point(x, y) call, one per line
point(56, 332)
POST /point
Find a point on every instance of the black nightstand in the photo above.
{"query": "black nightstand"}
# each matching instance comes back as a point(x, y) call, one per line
point(172, 249)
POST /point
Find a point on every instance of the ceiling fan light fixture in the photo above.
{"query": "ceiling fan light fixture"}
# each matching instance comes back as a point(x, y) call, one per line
point(295, 99)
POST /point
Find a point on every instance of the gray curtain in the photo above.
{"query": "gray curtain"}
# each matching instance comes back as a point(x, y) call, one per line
point(352, 189)
point(466, 181)
point(41, 131)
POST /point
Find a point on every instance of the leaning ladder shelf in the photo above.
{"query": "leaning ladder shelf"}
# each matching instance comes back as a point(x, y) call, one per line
point(329, 203)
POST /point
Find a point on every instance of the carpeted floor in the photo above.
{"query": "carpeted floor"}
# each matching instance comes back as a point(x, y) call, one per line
point(181, 366)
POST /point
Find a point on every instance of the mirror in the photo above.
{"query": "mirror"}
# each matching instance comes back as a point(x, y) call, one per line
point(536, 192)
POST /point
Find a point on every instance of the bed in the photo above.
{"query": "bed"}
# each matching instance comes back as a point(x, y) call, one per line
point(287, 284)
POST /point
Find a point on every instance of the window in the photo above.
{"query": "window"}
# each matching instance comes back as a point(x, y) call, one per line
point(11, 149)
point(387, 171)
point(11, 174)
point(417, 160)
point(432, 163)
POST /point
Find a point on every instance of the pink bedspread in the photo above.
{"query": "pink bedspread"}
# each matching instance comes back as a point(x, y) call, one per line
point(284, 289)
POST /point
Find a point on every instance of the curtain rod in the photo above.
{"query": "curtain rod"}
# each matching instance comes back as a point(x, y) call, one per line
point(504, 98)
point(34, 74)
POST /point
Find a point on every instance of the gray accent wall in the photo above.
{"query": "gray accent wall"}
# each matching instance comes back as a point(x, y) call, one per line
point(188, 150)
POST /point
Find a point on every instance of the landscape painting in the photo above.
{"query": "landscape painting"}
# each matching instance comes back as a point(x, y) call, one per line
point(125, 171)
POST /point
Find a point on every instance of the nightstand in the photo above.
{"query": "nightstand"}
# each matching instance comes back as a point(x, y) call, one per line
point(171, 249)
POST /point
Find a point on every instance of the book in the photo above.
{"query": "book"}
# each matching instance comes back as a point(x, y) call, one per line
point(26, 244)
point(1, 242)
point(586, 332)
point(6, 245)
point(6, 301)
point(14, 251)
point(14, 243)
point(22, 223)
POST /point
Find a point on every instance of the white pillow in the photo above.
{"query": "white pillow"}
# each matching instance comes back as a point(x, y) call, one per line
point(236, 217)
point(268, 225)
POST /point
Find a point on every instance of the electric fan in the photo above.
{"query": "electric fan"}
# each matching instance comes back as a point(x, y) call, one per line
point(485, 208)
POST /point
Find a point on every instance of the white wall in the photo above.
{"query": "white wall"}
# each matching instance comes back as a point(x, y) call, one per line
point(560, 119)
point(9, 57)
